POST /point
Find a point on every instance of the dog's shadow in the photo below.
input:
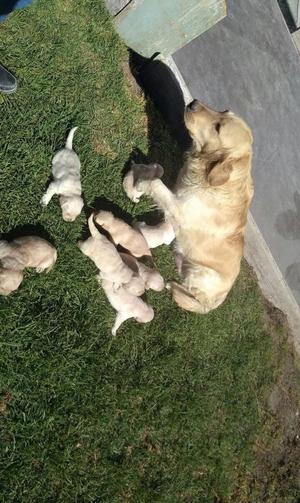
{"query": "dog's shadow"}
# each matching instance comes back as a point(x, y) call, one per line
point(27, 230)
point(168, 137)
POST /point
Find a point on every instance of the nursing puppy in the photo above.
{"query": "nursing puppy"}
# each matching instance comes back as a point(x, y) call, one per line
point(208, 209)
point(10, 280)
point(140, 171)
point(66, 183)
point(126, 305)
point(123, 234)
point(150, 276)
point(27, 251)
point(156, 235)
point(109, 262)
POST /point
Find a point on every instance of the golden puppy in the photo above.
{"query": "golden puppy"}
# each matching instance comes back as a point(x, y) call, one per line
point(208, 209)
point(10, 280)
point(126, 304)
point(138, 171)
point(156, 235)
point(109, 262)
point(122, 234)
point(151, 278)
point(27, 251)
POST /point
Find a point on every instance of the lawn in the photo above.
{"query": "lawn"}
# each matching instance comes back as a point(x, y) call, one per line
point(184, 409)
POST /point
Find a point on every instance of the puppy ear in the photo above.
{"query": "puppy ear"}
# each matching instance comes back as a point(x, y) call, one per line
point(219, 171)
point(159, 170)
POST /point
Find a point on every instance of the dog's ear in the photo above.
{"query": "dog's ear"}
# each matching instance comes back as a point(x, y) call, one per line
point(218, 170)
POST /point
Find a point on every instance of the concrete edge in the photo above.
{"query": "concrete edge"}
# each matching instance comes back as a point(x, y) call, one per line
point(270, 279)
point(257, 252)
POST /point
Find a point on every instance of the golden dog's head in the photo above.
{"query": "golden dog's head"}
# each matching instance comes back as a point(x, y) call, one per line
point(224, 137)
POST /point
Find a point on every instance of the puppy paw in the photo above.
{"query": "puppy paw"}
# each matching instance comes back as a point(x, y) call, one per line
point(44, 201)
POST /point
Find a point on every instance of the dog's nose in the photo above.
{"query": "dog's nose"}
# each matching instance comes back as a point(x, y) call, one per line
point(193, 105)
point(225, 112)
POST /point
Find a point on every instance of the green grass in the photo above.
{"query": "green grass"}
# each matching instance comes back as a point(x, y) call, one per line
point(166, 412)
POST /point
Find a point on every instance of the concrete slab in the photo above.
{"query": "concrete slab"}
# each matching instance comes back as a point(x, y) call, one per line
point(249, 63)
point(165, 26)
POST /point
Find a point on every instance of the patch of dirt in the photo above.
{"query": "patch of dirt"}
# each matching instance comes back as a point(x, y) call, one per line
point(277, 474)
point(132, 84)
point(103, 148)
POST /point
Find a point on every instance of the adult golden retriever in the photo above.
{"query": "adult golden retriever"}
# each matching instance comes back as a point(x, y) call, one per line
point(208, 209)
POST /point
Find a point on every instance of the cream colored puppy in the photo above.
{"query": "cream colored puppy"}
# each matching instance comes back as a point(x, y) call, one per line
point(140, 171)
point(10, 280)
point(156, 235)
point(108, 260)
point(150, 276)
point(27, 251)
point(208, 209)
point(123, 234)
point(127, 305)
point(66, 183)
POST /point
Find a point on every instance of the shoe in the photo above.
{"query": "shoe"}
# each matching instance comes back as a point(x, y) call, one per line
point(8, 83)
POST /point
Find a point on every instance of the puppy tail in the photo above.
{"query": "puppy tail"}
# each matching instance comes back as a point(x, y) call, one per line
point(187, 301)
point(69, 142)
point(93, 229)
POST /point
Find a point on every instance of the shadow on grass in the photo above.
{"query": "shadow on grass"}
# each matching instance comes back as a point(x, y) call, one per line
point(168, 137)
point(164, 99)
point(27, 230)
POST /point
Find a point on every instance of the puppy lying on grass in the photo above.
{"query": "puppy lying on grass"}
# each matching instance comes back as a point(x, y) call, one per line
point(141, 172)
point(151, 277)
point(66, 183)
point(27, 251)
point(126, 305)
point(109, 262)
point(10, 280)
point(122, 233)
point(23, 252)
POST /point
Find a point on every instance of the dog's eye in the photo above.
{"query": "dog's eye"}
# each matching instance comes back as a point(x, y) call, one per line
point(218, 127)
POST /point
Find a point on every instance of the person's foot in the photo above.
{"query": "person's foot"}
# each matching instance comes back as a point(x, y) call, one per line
point(8, 83)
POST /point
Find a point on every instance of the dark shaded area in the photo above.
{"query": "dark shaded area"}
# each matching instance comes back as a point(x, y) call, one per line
point(292, 275)
point(287, 15)
point(27, 230)
point(288, 222)
point(7, 6)
point(162, 88)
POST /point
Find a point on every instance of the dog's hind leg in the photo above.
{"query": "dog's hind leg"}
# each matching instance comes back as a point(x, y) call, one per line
point(120, 318)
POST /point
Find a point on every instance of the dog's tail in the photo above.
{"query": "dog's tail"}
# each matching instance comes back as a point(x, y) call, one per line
point(188, 302)
point(93, 229)
point(69, 142)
